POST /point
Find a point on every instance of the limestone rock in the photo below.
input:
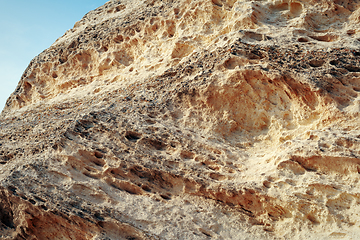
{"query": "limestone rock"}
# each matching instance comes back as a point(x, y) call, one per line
point(180, 119)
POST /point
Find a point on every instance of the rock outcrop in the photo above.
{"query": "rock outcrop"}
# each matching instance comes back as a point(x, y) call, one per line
point(205, 119)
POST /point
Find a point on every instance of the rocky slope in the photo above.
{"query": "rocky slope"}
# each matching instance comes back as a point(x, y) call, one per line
point(189, 120)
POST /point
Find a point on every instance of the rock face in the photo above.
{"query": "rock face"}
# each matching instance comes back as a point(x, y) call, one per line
point(205, 119)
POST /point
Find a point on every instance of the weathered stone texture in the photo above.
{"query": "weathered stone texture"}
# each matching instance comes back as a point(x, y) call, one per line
point(189, 120)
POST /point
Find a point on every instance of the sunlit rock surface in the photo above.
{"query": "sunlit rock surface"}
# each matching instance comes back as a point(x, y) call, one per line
point(189, 120)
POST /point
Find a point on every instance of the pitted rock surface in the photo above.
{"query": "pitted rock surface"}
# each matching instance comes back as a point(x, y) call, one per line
point(189, 120)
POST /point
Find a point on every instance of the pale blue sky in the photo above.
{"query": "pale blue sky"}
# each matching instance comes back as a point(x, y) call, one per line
point(27, 27)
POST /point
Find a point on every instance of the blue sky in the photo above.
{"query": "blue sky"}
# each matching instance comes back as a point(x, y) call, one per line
point(29, 27)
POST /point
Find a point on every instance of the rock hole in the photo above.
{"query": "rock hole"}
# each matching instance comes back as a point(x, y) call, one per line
point(123, 57)
point(187, 155)
point(154, 28)
point(12, 189)
point(149, 121)
point(131, 191)
point(255, 36)
point(325, 38)
point(302, 39)
point(6, 217)
point(303, 163)
point(334, 62)
point(73, 44)
point(293, 166)
point(140, 172)
point(98, 216)
point(295, 8)
point(281, 7)
point(27, 86)
point(127, 187)
point(206, 233)
point(24, 197)
point(131, 31)
point(90, 175)
point(267, 184)
point(181, 50)
point(217, 3)
point(269, 229)
point(352, 68)
point(54, 75)
point(119, 39)
point(255, 55)
point(232, 63)
point(117, 173)
point(158, 145)
point(132, 238)
point(85, 124)
point(132, 136)
point(316, 63)
point(356, 54)
point(152, 21)
point(8, 157)
point(44, 207)
point(99, 162)
point(39, 199)
point(217, 176)
point(171, 28)
point(312, 219)
point(115, 186)
point(98, 154)
point(90, 169)
point(146, 188)
point(104, 49)
point(63, 59)
point(165, 196)
point(119, 8)
point(350, 32)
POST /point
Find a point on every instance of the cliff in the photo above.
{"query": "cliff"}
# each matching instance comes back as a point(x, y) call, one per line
point(189, 120)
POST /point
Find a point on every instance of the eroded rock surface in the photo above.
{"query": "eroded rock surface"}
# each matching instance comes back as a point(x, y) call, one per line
point(189, 120)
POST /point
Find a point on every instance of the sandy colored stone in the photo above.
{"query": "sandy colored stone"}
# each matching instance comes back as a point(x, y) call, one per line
point(188, 120)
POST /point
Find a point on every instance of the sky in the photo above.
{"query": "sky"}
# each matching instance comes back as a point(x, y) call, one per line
point(29, 27)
